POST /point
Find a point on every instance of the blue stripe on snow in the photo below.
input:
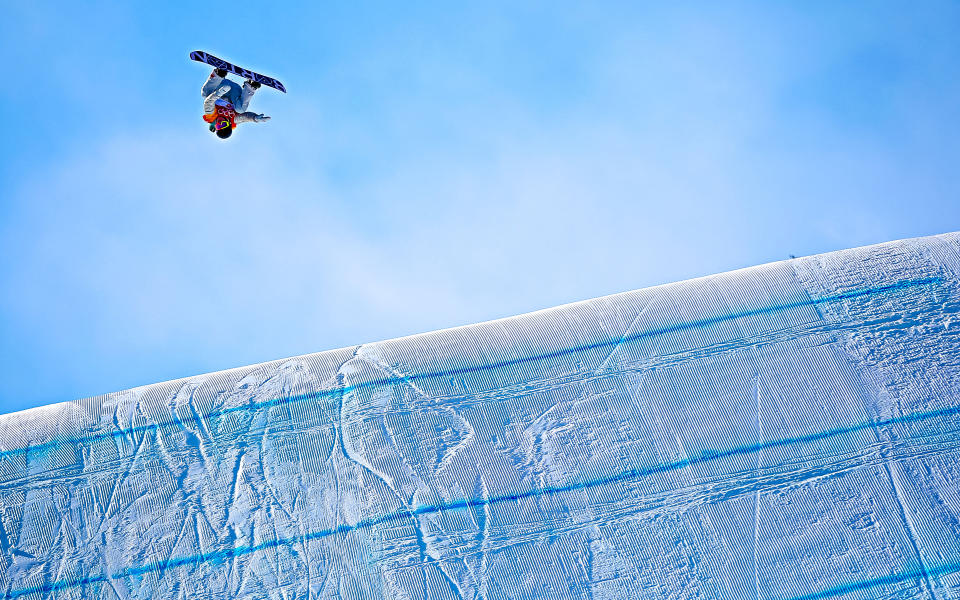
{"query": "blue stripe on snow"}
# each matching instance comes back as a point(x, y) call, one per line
point(386, 381)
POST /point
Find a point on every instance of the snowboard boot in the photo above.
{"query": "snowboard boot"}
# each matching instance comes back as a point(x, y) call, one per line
point(253, 84)
point(220, 72)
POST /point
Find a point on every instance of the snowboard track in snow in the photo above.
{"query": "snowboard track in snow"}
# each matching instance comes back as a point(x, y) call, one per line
point(223, 555)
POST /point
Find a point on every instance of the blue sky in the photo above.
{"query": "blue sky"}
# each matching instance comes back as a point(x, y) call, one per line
point(435, 165)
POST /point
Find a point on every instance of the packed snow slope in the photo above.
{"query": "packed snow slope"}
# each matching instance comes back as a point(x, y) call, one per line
point(787, 431)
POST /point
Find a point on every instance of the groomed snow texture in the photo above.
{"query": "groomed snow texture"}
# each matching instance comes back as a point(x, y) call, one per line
point(787, 431)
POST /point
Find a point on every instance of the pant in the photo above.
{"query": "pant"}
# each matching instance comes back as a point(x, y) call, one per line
point(238, 96)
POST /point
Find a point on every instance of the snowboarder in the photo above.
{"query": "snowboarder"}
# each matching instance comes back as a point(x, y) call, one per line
point(225, 103)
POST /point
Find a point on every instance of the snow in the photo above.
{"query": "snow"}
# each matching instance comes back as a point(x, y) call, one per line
point(786, 431)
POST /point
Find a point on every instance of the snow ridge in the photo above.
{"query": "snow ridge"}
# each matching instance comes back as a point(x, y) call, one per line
point(786, 431)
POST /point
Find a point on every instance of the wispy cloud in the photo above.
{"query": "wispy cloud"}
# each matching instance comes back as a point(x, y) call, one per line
point(421, 174)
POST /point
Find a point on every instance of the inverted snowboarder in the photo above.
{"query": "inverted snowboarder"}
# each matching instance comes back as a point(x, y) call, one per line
point(225, 103)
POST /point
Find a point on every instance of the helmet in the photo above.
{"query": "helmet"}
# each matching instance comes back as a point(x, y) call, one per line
point(224, 133)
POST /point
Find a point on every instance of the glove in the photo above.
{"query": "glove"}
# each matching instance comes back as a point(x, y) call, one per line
point(261, 118)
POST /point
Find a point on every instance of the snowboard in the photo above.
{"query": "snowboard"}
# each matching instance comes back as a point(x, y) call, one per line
point(219, 63)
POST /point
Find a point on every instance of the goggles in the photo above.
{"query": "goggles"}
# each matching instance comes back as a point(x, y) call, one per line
point(220, 123)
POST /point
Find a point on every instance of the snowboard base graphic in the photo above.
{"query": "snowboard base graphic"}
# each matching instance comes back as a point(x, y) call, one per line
point(219, 63)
